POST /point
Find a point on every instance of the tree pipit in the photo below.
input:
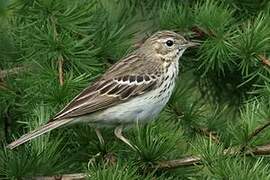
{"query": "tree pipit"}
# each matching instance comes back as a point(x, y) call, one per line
point(134, 89)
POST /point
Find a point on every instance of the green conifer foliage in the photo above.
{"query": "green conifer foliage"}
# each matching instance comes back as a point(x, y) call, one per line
point(215, 126)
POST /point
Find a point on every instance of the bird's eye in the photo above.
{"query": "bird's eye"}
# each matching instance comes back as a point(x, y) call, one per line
point(169, 43)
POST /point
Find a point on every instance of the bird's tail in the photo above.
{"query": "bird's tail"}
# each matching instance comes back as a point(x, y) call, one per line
point(35, 133)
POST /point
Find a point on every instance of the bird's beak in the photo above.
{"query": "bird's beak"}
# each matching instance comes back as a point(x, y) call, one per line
point(191, 44)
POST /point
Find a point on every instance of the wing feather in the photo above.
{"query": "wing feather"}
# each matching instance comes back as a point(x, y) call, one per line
point(102, 97)
point(126, 79)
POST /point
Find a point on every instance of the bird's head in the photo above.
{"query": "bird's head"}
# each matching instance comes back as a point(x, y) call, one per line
point(167, 44)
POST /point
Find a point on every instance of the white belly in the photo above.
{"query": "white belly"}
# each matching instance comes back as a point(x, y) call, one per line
point(142, 108)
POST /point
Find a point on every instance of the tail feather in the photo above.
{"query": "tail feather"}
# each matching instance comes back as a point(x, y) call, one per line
point(35, 133)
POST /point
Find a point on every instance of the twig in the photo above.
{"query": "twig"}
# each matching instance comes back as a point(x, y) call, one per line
point(195, 160)
point(264, 60)
point(186, 161)
point(60, 60)
point(13, 71)
point(258, 130)
point(76, 176)
point(60, 70)
point(260, 150)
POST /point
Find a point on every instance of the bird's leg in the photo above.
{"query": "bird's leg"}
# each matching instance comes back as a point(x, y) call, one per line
point(118, 133)
point(109, 158)
point(100, 138)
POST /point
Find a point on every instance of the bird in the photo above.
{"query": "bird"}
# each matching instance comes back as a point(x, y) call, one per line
point(133, 90)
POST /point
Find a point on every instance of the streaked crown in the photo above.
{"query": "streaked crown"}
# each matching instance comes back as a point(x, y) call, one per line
point(167, 44)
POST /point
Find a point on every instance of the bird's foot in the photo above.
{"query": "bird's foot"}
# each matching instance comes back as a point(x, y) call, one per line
point(118, 133)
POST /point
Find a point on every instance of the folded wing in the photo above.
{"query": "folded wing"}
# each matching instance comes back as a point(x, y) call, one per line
point(106, 93)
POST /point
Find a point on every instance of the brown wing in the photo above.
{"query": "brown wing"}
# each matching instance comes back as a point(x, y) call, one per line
point(118, 85)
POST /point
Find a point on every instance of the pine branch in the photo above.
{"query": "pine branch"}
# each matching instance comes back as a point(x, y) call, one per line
point(257, 131)
point(203, 131)
point(195, 160)
point(259, 150)
point(166, 165)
